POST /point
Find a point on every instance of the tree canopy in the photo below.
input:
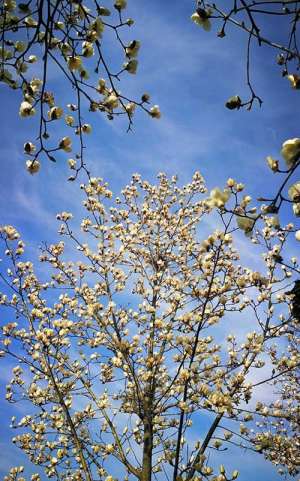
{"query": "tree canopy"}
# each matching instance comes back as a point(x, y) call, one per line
point(111, 379)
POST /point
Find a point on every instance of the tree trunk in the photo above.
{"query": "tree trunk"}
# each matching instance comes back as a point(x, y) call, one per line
point(147, 451)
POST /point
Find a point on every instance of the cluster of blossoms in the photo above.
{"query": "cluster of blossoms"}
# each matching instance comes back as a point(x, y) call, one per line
point(127, 381)
point(17, 474)
point(68, 36)
point(246, 214)
point(248, 17)
point(290, 152)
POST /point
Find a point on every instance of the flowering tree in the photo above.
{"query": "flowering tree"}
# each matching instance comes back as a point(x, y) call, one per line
point(42, 38)
point(150, 329)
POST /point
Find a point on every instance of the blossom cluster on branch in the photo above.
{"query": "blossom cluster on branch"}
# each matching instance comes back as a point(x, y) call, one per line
point(287, 192)
point(253, 17)
point(247, 214)
point(40, 39)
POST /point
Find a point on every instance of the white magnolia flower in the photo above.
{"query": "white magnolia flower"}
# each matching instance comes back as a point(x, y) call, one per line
point(291, 151)
point(274, 221)
point(218, 197)
point(65, 144)
point(86, 128)
point(105, 12)
point(295, 80)
point(72, 163)
point(294, 192)
point(20, 46)
point(26, 109)
point(272, 163)
point(297, 235)
point(33, 166)
point(96, 29)
point(111, 102)
point(109, 448)
point(230, 182)
point(201, 18)
point(155, 112)
point(55, 113)
point(130, 108)
point(69, 119)
point(87, 49)
point(30, 22)
point(74, 63)
point(35, 85)
point(10, 5)
point(131, 66)
point(32, 58)
point(133, 48)
point(245, 223)
point(101, 86)
point(296, 209)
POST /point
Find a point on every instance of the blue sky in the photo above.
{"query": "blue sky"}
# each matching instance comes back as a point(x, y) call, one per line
point(190, 74)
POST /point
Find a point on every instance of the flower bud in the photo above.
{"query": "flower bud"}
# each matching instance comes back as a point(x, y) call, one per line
point(29, 147)
point(133, 48)
point(272, 163)
point(55, 113)
point(72, 163)
point(20, 46)
point(291, 151)
point(120, 4)
point(130, 108)
point(234, 102)
point(32, 166)
point(296, 209)
point(32, 58)
point(294, 192)
point(295, 81)
point(105, 12)
point(155, 112)
point(87, 49)
point(280, 59)
point(65, 144)
point(72, 107)
point(86, 128)
point(131, 66)
point(74, 63)
point(26, 109)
